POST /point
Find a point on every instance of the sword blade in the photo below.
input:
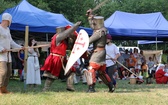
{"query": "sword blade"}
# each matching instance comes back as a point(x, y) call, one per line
point(99, 5)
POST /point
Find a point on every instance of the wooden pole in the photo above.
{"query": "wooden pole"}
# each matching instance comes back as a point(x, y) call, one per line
point(17, 49)
point(127, 69)
point(26, 53)
point(99, 5)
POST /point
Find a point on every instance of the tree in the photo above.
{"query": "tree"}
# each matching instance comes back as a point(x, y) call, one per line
point(74, 10)
point(42, 4)
point(4, 4)
point(136, 6)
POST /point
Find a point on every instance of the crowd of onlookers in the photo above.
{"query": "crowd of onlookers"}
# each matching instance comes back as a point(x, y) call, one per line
point(143, 67)
point(18, 63)
point(134, 60)
point(137, 63)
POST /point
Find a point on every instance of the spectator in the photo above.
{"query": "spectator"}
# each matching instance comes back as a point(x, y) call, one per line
point(33, 67)
point(126, 56)
point(84, 60)
point(144, 71)
point(21, 63)
point(116, 76)
point(160, 75)
point(151, 67)
point(141, 56)
point(131, 63)
point(121, 70)
point(138, 63)
point(77, 73)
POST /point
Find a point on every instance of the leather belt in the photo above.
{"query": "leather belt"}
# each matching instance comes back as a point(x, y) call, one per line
point(32, 56)
point(55, 54)
point(99, 49)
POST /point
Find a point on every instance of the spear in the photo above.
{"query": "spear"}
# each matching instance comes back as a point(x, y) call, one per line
point(17, 49)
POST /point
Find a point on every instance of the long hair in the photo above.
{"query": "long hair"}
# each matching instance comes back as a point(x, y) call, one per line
point(30, 41)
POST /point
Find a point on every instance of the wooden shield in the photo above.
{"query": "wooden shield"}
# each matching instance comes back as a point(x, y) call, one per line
point(80, 46)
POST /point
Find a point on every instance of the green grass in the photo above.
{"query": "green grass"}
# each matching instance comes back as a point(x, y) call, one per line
point(125, 94)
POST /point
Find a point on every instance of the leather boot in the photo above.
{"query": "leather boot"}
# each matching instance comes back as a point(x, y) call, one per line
point(1, 93)
point(47, 84)
point(111, 87)
point(4, 90)
point(91, 88)
point(70, 82)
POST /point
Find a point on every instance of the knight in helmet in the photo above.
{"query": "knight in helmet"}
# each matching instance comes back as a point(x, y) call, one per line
point(55, 61)
point(6, 43)
point(97, 59)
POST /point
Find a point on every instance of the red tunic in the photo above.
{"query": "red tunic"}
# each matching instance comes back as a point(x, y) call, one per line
point(160, 78)
point(53, 63)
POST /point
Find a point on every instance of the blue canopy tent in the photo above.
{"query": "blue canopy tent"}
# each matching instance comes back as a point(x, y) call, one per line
point(149, 42)
point(25, 14)
point(151, 26)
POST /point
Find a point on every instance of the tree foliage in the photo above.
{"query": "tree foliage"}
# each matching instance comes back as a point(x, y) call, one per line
point(75, 10)
point(4, 4)
point(136, 6)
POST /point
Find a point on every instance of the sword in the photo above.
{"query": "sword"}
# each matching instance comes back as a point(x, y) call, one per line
point(99, 5)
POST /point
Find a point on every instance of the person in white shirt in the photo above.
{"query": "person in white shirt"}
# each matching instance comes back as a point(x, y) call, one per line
point(112, 54)
point(6, 42)
point(151, 70)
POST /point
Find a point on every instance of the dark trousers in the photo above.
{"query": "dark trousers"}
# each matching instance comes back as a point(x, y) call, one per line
point(110, 71)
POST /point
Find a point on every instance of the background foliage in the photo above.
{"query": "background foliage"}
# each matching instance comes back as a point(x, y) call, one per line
point(75, 10)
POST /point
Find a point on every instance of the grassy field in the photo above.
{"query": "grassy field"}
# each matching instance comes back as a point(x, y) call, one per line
point(125, 94)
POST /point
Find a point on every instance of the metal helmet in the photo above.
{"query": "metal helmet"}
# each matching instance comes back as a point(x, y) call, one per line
point(7, 16)
point(60, 29)
point(97, 22)
point(74, 33)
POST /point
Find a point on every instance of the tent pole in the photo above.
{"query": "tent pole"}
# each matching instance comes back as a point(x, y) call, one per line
point(47, 41)
point(26, 54)
point(156, 43)
point(137, 44)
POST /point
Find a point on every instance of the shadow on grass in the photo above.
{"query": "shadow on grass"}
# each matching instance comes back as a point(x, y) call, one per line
point(17, 86)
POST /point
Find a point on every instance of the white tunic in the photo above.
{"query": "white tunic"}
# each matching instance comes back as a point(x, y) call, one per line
point(33, 68)
point(111, 50)
point(6, 42)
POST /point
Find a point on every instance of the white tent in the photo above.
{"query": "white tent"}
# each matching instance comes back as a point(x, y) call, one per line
point(155, 54)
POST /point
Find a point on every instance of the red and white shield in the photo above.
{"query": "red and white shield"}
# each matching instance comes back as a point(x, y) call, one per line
point(80, 46)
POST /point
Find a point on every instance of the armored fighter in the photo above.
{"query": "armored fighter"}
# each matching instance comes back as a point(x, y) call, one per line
point(54, 62)
point(97, 60)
